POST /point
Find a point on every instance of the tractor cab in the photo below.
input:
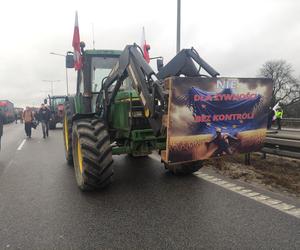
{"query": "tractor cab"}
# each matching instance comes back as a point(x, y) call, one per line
point(56, 106)
point(97, 65)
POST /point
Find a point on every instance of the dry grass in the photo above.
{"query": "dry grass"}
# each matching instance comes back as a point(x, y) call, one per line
point(282, 174)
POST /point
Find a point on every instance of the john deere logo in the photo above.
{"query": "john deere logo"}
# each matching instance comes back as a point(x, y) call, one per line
point(227, 83)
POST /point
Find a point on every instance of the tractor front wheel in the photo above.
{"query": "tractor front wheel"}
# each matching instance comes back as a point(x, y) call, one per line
point(92, 154)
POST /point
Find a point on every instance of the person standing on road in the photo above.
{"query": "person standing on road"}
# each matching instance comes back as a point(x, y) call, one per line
point(1, 126)
point(28, 118)
point(44, 117)
point(270, 117)
point(16, 117)
point(21, 116)
point(279, 115)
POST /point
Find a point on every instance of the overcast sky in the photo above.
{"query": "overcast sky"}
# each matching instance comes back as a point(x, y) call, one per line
point(236, 37)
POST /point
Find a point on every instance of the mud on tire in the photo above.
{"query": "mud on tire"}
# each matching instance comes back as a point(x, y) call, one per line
point(92, 154)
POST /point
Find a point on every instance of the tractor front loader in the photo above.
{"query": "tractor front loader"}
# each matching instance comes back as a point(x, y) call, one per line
point(123, 107)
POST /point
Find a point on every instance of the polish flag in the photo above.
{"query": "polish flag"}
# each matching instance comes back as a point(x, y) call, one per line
point(76, 45)
point(145, 47)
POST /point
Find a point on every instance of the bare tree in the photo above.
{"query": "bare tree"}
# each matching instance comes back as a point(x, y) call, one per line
point(286, 88)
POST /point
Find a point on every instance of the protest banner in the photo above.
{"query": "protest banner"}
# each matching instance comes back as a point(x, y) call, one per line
point(211, 117)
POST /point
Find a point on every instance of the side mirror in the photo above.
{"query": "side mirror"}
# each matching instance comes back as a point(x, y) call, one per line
point(45, 101)
point(159, 63)
point(69, 60)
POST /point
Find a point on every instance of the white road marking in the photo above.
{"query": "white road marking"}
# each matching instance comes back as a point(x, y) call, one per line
point(272, 202)
point(294, 211)
point(244, 191)
point(22, 144)
point(263, 199)
point(284, 206)
point(252, 194)
point(8, 165)
point(236, 188)
point(277, 204)
point(229, 185)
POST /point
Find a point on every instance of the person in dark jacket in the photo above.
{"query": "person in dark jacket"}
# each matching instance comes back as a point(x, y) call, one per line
point(44, 117)
point(270, 117)
point(1, 126)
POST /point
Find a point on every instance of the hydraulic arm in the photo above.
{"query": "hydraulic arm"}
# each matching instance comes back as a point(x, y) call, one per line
point(149, 85)
point(132, 65)
point(184, 64)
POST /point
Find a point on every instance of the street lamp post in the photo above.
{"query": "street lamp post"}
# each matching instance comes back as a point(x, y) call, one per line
point(178, 25)
point(67, 78)
point(51, 82)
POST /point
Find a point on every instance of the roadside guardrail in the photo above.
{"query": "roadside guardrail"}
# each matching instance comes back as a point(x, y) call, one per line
point(288, 146)
point(290, 122)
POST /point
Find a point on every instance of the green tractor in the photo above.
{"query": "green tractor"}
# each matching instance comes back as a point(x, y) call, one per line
point(56, 106)
point(121, 107)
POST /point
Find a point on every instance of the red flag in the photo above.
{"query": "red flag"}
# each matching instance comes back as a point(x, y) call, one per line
point(145, 47)
point(76, 45)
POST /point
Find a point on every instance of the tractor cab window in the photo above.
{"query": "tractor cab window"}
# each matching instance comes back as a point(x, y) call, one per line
point(57, 101)
point(127, 84)
point(101, 67)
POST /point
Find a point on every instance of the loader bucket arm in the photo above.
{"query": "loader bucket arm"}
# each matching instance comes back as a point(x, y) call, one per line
point(144, 80)
point(183, 64)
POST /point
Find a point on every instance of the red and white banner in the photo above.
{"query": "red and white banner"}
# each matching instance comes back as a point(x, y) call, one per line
point(76, 45)
point(145, 47)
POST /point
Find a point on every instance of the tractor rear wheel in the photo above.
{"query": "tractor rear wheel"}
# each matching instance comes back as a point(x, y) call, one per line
point(92, 154)
point(184, 168)
point(67, 131)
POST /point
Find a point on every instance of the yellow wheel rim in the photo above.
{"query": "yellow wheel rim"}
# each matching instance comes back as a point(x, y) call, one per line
point(79, 155)
point(66, 133)
point(147, 112)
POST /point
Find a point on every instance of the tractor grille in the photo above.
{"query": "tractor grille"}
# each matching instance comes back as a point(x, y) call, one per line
point(140, 123)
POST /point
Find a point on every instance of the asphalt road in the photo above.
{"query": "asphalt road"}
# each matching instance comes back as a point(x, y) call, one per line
point(145, 208)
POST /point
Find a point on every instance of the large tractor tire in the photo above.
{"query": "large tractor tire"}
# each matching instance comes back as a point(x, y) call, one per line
point(67, 129)
point(184, 168)
point(92, 154)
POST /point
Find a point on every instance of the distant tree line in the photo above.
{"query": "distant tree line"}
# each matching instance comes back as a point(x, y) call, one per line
point(286, 89)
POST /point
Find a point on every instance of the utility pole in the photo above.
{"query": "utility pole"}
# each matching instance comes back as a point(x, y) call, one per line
point(178, 25)
point(67, 78)
point(93, 35)
point(51, 82)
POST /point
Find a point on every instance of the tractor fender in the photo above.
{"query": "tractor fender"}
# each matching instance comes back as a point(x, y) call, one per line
point(79, 116)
